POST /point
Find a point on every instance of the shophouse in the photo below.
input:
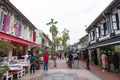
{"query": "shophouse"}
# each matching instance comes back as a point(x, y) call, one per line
point(43, 40)
point(82, 47)
point(104, 32)
point(46, 42)
point(16, 29)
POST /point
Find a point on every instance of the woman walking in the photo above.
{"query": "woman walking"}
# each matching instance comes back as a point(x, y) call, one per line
point(103, 58)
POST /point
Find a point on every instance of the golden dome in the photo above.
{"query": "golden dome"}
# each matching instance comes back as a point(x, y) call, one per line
point(59, 36)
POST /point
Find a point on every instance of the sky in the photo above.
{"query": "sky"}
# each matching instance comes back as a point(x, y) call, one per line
point(74, 15)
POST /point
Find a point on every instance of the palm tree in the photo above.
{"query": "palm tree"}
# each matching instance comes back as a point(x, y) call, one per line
point(53, 31)
point(65, 38)
point(57, 42)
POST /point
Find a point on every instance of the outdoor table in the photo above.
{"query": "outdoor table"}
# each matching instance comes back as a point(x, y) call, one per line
point(16, 70)
point(26, 66)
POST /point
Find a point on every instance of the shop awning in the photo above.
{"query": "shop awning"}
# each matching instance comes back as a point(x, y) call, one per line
point(108, 42)
point(15, 40)
point(37, 45)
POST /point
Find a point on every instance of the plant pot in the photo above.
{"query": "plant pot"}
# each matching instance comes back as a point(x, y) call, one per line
point(37, 66)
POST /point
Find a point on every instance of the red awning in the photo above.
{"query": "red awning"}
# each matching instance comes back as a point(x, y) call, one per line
point(15, 40)
point(37, 45)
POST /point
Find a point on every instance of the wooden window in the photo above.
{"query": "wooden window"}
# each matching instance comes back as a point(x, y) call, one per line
point(99, 31)
point(102, 30)
point(89, 37)
point(94, 35)
point(105, 28)
point(117, 21)
point(3, 13)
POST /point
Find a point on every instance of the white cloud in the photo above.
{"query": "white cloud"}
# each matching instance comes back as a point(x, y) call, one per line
point(70, 14)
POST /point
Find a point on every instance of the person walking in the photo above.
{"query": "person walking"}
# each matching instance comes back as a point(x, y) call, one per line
point(54, 59)
point(107, 64)
point(32, 64)
point(65, 54)
point(115, 61)
point(75, 60)
point(26, 56)
point(87, 61)
point(103, 58)
point(70, 59)
point(45, 60)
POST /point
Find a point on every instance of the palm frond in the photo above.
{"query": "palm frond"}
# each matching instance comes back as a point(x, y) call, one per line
point(48, 23)
point(52, 20)
point(55, 22)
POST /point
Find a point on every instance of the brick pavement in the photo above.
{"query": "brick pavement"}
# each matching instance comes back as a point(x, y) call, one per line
point(95, 73)
point(79, 74)
point(98, 71)
point(61, 64)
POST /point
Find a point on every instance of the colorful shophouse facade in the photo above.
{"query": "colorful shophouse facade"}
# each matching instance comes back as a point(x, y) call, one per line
point(43, 40)
point(104, 32)
point(16, 29)
point(82, 47)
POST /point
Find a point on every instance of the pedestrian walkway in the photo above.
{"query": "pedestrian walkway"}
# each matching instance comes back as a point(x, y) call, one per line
point(61, 72)
point(98, 71)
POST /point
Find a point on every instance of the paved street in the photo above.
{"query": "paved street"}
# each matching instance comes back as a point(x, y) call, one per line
point(61, 72)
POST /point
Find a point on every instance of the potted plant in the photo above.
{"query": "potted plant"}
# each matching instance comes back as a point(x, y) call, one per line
point(1, 73)
point(37, 61)
point(5, 45)
point(3, 70)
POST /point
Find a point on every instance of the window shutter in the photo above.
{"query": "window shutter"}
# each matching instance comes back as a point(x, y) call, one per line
point(108, 26)
point(97, 33)
point(102, 30)
point(89, 37)
point(1, 19)
point(119, 16)
point(114, 22)
point(94, 35)
point(34, 36)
